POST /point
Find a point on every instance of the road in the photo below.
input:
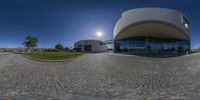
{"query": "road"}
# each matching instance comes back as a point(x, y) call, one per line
point(101, 76)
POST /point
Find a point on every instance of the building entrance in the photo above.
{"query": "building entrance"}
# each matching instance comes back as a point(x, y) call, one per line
point(87, 48)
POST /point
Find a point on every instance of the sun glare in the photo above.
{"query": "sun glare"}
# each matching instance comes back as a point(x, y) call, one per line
point(99, 34)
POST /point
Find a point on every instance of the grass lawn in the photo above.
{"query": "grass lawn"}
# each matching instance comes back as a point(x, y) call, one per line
point(53, 55)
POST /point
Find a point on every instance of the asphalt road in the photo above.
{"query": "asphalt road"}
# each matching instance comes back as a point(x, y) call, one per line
point(101, 76)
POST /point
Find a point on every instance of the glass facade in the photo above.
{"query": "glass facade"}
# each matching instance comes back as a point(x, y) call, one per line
point(152, 46)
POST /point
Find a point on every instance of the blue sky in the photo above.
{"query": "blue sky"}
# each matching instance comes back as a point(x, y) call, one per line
point(67, 21)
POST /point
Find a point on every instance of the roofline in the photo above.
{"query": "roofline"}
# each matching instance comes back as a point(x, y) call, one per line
point(87, 40)
point(155, 8)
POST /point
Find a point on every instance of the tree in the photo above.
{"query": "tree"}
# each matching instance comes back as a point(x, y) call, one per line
point(59, 47)
point(30, 42)
point(66, 48)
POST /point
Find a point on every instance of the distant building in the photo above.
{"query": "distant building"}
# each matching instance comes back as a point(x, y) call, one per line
point(152, 31)
point(195, 50)
point(1, 50)
point(90, 46)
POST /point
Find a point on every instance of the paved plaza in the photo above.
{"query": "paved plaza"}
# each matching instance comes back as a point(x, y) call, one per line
point(101, 76)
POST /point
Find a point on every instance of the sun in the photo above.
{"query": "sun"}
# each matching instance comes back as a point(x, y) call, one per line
point(99, 34)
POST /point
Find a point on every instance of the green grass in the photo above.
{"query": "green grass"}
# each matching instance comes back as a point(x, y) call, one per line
point(53, 55)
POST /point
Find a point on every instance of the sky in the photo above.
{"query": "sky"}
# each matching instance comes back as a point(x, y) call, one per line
point(67, 21)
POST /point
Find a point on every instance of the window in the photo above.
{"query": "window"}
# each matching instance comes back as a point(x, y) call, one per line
point(151, 45)
point(185, 22)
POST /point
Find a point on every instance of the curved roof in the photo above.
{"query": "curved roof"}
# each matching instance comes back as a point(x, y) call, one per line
point(88, 41)
point(170, 21)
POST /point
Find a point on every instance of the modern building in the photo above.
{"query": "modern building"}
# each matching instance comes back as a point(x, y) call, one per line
point(152, 31)
point(91, 46)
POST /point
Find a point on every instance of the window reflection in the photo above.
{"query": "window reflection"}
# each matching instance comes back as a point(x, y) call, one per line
point(152, 45)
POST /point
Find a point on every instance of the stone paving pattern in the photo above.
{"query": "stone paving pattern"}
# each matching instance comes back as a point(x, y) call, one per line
point(101, 76)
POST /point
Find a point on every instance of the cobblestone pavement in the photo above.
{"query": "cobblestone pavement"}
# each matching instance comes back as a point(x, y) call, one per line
point(101, 76)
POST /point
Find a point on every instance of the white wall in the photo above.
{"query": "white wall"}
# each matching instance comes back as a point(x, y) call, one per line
point(96, 45)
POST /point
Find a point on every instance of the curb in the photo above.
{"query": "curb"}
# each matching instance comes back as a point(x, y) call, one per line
point(192, 54)
point(41, 60)
point(1, 53)
point(127, 55)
